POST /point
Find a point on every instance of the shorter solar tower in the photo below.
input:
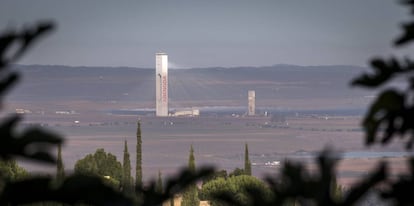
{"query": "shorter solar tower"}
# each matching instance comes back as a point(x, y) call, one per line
point(252, 102)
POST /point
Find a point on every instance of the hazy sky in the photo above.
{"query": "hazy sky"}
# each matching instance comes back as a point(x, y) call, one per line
point(203, 33)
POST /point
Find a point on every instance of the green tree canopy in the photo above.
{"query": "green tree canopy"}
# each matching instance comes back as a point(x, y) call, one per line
point(10, 170)
point(100, 164)
point(237, 172)
point(234, 186)
point(215, 175)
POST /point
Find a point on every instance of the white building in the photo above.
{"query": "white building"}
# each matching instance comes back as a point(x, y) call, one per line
point(189, 113)
point(161, 84)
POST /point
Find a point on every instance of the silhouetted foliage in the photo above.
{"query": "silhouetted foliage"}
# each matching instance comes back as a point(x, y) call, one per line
point(35, 143)
point(296, 184)
point(74, 189)
point(392, 113)
point(400, 191)
point(408, 28)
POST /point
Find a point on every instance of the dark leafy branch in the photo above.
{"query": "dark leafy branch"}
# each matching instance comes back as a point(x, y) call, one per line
point(384, 70)
point(24, 39)
point(392, 113)
point(360, 189)
point(74, 189)
point(408, 28)
point(388, 115)
point(400, 191)
point(33, 143)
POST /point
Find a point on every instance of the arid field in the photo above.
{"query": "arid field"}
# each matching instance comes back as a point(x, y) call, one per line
point(219, 141)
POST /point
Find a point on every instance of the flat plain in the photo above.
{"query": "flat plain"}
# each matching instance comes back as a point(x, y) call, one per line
point(79, 103)
point(219, 141)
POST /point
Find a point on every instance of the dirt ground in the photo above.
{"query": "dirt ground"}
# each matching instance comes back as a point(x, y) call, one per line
point(219, 141)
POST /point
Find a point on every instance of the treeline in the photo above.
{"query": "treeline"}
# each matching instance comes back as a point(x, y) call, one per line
point(105, 165)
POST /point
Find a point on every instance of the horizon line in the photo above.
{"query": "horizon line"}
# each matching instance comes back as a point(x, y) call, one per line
point(184, 68)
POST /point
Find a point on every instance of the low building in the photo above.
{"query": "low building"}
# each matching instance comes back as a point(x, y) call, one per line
point(189, 113)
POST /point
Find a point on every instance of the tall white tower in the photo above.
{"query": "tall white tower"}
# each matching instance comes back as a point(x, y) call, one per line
point(161, 84)
point(252, 103)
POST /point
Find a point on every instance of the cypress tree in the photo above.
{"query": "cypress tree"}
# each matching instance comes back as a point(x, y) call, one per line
point(60, 169)
point(190, 196)
point(126, 173)
point(158, 186)
point(191, 160)
point(247, 164)
point(138, 165)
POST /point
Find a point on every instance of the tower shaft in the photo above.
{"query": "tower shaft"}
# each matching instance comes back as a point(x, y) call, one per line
point(161, 84)
point(252, 103)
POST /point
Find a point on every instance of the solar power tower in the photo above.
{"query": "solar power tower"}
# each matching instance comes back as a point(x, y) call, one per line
point(161, 87)
point(252, 103)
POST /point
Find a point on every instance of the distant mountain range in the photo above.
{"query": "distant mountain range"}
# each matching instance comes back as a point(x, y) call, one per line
point(286, 86)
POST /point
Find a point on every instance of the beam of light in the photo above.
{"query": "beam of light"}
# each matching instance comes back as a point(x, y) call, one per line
point(174, 65)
